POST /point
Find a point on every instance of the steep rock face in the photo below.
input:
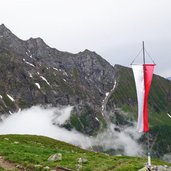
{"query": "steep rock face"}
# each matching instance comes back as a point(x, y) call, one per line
point(32, 73)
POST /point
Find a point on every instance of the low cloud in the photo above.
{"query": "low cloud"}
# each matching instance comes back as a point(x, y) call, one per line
point(43, 121)
point(123, 140)
point(39, 121)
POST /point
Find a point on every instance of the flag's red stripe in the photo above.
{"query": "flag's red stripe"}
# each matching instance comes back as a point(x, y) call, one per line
point(148, 74)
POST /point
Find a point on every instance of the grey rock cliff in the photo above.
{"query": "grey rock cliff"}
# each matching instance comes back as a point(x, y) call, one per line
point(80, 80)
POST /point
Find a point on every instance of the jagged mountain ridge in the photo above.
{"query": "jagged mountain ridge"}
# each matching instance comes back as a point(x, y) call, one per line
point(37, 74)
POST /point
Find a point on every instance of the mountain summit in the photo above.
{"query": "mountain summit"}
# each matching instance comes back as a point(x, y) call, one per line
point(32, 73)
point(4, 29)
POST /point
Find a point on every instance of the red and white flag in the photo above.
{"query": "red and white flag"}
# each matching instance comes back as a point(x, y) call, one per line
point(143, 76)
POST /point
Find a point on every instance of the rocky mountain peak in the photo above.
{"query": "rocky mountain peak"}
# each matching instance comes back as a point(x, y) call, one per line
point(5, 32)
point(9, 41)
point(48, 76)
point(3, 27)
point(37, 43)
point(87, 51)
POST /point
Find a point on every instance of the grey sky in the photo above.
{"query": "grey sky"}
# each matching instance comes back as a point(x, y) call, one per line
point(112, 28)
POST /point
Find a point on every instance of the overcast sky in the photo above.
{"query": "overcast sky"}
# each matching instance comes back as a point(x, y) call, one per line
point(114, 29)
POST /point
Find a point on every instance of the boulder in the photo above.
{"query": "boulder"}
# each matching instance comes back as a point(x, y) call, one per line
point(55, 157)
point(82, 160)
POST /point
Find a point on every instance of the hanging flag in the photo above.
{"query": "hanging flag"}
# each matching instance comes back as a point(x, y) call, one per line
point(143, 76)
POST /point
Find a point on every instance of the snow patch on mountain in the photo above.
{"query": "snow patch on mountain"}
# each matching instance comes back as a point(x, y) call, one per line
point(38, 85)
point(43, 78)
point(11, 98)
point(28, 63)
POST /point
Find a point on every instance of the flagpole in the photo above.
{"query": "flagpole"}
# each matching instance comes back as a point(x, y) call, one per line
point(148, 154)
point(143, 52)
point(148, 138)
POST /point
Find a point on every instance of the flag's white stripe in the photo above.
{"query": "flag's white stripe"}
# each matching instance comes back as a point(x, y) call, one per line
point(139, 82)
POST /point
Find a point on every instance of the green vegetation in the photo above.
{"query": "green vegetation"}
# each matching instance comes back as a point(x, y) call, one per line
point(85, 122)
point(29, 151)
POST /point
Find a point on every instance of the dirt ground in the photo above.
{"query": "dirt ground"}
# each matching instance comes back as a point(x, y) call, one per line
point(8, 165)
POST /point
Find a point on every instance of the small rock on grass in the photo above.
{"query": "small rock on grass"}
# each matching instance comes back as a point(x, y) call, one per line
point(16, 142)
point(55, 157)
point(82, 160)
point(19, 166)
point(46, 168)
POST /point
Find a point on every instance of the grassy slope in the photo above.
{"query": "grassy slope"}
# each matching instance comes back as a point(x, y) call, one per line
point(33, 150)
point(159, 105)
